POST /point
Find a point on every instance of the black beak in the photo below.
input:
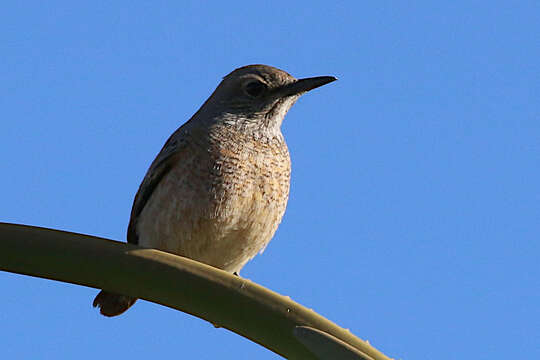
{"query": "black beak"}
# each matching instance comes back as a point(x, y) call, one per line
point(303, 85)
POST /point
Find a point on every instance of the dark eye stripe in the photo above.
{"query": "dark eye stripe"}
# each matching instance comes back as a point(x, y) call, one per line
point(255, 88)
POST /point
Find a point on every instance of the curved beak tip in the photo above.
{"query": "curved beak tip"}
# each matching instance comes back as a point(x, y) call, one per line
point(319, 81)
point(332, 78)
point(306, 84)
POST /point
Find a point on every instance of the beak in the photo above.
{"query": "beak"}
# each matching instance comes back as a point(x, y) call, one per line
point(304, 85)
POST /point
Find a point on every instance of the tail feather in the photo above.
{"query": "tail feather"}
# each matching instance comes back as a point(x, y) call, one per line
point(111, 304)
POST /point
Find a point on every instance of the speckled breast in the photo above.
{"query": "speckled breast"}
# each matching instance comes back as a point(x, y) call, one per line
point(223, 200)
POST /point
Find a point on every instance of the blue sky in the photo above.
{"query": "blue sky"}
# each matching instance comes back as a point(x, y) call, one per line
point(414, 214)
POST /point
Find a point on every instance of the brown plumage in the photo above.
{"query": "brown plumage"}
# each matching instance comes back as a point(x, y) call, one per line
point(218, 189)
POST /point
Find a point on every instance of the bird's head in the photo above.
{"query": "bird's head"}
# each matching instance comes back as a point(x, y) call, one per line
point(257, 97)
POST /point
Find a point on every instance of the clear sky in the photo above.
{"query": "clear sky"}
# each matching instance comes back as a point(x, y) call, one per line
point(414, 213)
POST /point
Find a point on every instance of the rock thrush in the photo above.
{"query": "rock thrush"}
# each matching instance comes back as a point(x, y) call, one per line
point(218, 189)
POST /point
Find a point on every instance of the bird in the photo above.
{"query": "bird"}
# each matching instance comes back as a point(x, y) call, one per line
point(218, 189)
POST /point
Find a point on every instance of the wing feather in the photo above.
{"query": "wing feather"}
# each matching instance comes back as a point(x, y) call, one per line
point(159, 168)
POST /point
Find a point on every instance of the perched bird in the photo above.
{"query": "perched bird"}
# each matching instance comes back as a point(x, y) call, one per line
point(218, 189)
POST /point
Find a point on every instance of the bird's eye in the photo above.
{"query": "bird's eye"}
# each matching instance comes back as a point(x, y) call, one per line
point(254, 88)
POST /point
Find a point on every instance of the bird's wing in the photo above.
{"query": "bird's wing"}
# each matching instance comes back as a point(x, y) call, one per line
point(157, 171)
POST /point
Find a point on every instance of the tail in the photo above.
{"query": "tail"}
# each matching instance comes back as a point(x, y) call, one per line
point(111, 304)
